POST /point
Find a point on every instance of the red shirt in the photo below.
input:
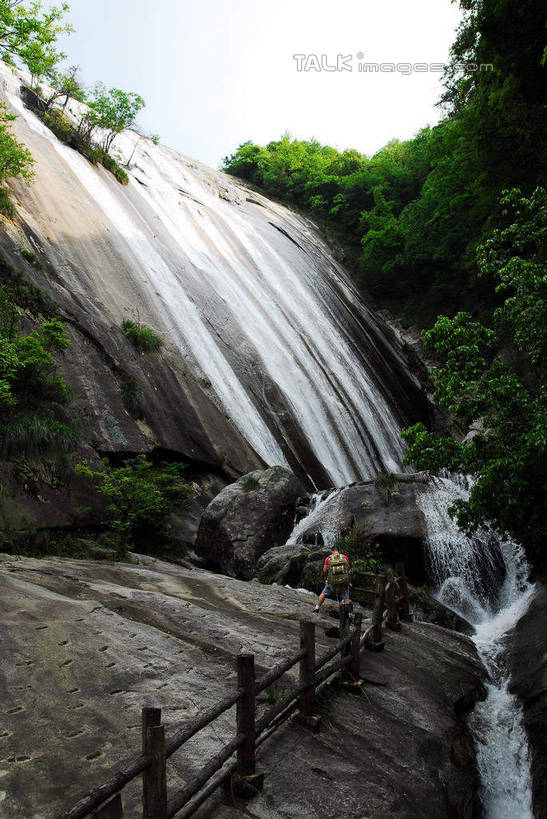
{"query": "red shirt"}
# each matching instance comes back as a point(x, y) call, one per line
point(326, 563)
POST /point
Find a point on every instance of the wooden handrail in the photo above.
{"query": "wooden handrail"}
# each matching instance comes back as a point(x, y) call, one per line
point(189, 730)
point(278, 671)
point(251, 733)
point(179, 800)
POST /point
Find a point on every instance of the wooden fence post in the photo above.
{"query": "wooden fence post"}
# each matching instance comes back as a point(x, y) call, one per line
point(154, 784)
point(246, 714)
point(355, 667)
point(374, 642)
point(307, 668)
point(392, 620)
point(404, 604)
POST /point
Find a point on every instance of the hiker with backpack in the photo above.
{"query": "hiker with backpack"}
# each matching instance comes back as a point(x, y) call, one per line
point(338, 572)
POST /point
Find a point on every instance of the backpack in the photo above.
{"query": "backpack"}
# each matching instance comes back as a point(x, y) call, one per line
point(339, 572)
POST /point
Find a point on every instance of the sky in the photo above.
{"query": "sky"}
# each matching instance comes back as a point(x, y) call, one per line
point(216, 73)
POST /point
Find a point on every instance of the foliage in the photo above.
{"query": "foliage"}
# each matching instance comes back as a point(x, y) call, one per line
point(113, 110)
point(481, 380)
point(142, 337)
point(64, 130)
point(412, 215)
point(64, 84)
point(31, 386)
point(30, 34)
point(111, 165)
point(30, 257)
point(249, 482)
point(386, 484)
point(357, 545)
point(15, 159)
point(131, 393)
point(141, 497)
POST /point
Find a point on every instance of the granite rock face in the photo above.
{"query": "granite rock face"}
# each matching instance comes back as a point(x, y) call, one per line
point(246, 518)
point(86, 644)
point(527, 655)
point(387, 507)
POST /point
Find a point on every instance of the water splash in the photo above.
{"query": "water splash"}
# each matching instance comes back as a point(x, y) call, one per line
point(465, 572)
point(324, 516)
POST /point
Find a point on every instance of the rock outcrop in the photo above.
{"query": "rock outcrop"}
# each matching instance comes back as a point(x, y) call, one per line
point(85, 645)
point(386, 507)
point(527, 657)
point(247, 518)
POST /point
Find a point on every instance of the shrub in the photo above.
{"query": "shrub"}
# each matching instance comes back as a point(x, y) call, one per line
point(6, 205)
point(33, 435)
point(249, 482)
point(30, 256)
point(364, 555)
point(111, 165)
point(142, 337)
point(141, 497)
point(59, 124)
point(131, 397)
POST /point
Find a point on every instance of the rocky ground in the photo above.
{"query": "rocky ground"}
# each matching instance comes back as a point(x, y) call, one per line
point(86, 644)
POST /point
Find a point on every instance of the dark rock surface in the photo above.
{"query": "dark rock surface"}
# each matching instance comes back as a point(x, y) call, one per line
point(388, 509)
point(246, 519)
point(85, 645)
point(527, 657)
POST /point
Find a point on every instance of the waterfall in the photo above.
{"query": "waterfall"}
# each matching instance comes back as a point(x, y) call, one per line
point(465, 572)
point(245, 293)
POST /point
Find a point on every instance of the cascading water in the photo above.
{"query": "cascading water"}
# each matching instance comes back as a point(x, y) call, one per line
point(467, 577)
point(246, 294)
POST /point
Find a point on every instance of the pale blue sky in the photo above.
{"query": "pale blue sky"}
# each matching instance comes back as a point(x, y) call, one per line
point(215, 74)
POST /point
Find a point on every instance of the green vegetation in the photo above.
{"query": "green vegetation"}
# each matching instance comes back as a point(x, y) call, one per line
point(363, 554)
point(131, 393)
point(15, 160)
point(71, 135)
point(412, 215)
point(142, 337)
point(30, 257)
point(497, 375)
point(386, 484)
point(29, 34)
point(112, 110)
point(249, 482)
point(141, 498)
point(31, 386)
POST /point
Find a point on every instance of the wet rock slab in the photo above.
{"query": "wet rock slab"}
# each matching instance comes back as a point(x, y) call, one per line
point(527, 657)
point(85, 645)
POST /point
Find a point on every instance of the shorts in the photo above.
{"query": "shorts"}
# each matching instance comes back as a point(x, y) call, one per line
point(329, 591)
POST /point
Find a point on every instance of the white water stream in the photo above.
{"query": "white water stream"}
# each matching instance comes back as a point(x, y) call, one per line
point(485, 581)
point(464, 571)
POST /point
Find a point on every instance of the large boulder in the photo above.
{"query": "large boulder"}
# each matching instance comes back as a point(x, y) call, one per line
point(387, 509)
point(247, 518)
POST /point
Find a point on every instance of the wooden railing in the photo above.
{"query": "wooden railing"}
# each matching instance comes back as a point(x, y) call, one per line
point(105, 802)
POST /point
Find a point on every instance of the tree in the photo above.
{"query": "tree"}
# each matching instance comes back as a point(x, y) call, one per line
point(65, 84)
point(15, 159)
point(141, 497)
point(30, 34)
point(496, 377)
point(113, 110)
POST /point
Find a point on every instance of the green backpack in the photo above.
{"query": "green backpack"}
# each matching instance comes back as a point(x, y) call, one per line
point(339, 572)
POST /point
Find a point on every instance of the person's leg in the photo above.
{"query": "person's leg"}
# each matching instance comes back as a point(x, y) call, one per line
point(321, 598)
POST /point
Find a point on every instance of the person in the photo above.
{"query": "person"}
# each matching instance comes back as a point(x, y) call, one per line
point(338, 577)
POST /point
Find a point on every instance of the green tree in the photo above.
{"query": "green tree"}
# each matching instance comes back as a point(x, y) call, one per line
point(29, 33)
point(496, 377)
point(113, 110)
point(141, 498)
point(15, 159)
